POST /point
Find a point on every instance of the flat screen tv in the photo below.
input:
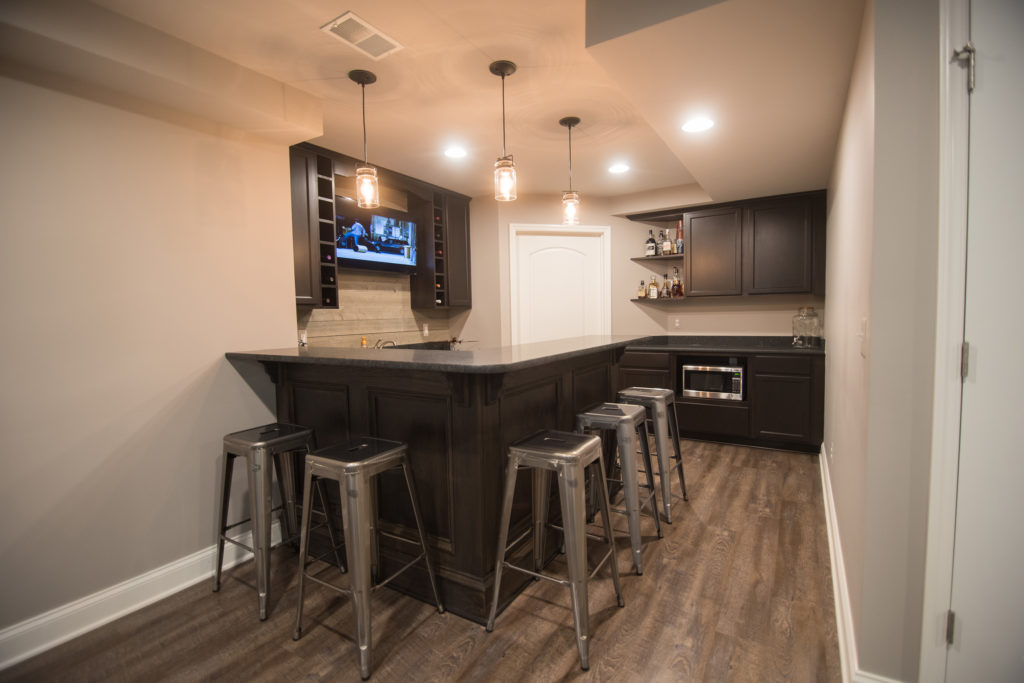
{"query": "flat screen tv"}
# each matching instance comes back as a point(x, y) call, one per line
point(372, 240)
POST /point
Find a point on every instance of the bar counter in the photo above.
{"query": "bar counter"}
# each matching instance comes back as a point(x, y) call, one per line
point(458, 411)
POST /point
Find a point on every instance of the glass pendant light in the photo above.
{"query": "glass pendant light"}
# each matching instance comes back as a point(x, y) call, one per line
point(367, 190)
point(570, 199)
point(504, 167)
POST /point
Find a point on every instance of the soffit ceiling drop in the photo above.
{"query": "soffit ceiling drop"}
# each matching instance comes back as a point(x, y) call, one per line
point(777, 73)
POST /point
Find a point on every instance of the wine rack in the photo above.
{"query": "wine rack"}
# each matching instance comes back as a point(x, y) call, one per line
point(439, 245)
point(326, 232)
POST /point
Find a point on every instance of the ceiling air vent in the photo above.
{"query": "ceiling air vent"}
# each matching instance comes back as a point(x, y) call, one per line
point(354, 31)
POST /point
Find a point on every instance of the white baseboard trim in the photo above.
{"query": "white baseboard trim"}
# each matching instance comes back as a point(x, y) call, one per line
point(844, 614)
point(42, 632)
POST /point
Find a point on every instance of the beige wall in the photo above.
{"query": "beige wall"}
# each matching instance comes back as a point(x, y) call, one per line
point(489, 321)
point(848, 289)
point(135, 253)
point(882, 231)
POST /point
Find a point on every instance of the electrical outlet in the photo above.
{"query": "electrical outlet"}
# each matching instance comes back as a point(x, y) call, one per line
point(675, 322)
point(426, 329)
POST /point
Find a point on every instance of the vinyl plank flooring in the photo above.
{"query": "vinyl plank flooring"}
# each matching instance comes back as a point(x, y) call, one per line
point(739, 589)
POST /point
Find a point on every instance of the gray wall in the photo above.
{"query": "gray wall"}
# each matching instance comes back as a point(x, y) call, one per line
point(135, 252)
point(883, 222)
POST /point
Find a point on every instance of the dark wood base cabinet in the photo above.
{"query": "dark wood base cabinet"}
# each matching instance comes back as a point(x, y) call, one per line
point(458, 427)
point(782, 406)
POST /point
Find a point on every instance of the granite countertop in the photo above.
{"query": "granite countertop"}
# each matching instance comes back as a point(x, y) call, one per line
point(723, 344)
point(504, 359)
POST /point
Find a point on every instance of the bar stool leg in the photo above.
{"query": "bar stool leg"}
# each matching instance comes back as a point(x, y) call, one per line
point(541, 504)
point(606, 516)
point(225, 496)
point(661, 440)
point(356, 510)
point(645, 453)
point(506, 516)
point(674, 425)
point(572, 485)
point(423, 536)
point(285, 468)
point(307, 508)
point(626, 442)
point(260, 505)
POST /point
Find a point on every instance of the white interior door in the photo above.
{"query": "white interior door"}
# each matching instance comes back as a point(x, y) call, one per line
point(559, 282)
point(987, 594)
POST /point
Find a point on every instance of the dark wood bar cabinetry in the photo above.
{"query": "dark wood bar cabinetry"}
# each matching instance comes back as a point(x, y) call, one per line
point(458, 411)
point(757, 247)
point(322, 181)
point(783, 397)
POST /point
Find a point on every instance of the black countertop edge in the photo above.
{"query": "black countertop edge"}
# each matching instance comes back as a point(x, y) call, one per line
point(483, 361)
point(724, 344)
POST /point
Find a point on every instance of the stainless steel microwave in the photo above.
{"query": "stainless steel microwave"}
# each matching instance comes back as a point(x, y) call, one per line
point(713, 381)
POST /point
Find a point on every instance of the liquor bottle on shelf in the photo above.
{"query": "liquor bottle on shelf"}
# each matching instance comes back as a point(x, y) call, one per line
point(677, 286)
point(679, 238)
point(660, 244)
point(666, 288)
point(652, 289)
point(650, 247)
point(642, 292)
point(667, 245)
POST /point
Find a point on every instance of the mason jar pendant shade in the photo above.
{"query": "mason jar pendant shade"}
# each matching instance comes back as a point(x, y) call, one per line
point(367, 189)
point(504, 167)
point(570, 199)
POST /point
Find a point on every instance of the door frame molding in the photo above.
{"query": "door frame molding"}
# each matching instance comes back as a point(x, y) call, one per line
point(517, 229)
point(954, 130)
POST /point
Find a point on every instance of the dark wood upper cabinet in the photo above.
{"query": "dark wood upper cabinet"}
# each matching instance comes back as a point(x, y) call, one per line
point(713, 252)
point(784, 245)
point(771, 245)
point(442, 276)
point(460, 291)
point(313, 232)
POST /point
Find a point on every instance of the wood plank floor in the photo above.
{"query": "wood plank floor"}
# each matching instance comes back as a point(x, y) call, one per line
point(739, 589)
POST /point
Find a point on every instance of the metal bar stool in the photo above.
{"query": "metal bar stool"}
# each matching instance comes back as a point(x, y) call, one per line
point(259, 445)
point(661, 410)
point(629, 422)
point(568, 455)
point(353, 464)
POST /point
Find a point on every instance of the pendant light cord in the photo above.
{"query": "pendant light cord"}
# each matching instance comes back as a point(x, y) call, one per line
point(570, 158)
point(363, 87)
point(503, 152)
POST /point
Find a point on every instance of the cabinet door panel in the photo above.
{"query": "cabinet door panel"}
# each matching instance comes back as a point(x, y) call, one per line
point(713, 248)
point(778, 247)
point(459, 285)
point(781, 407)
point(305, 246)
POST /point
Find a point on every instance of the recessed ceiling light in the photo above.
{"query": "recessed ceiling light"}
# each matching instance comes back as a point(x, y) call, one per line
point(455, 152)
point(698, 124)
point(618, 167)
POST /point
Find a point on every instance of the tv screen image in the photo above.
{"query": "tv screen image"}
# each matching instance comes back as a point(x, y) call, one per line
point(376, 241)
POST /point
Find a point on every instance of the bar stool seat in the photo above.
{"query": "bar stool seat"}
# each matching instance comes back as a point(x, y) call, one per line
point(661, 411)
point(629, 422)
point(568, 455)
point(260, 445)
point(353, 464)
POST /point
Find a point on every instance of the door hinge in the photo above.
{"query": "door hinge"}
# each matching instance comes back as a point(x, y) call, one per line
point(965, 360)
point(966, 55)
point(950, 624)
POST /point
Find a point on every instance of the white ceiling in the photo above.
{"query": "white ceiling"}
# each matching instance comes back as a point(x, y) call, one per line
point(772, 73)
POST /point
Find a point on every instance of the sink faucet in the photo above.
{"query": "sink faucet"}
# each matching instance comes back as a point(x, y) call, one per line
point(382, 343)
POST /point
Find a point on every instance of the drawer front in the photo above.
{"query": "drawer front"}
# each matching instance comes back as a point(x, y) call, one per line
point(657, 360)
point(782, 365)
point(713, 418)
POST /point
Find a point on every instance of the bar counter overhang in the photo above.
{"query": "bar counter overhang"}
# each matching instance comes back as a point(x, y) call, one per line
point(458, 411)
